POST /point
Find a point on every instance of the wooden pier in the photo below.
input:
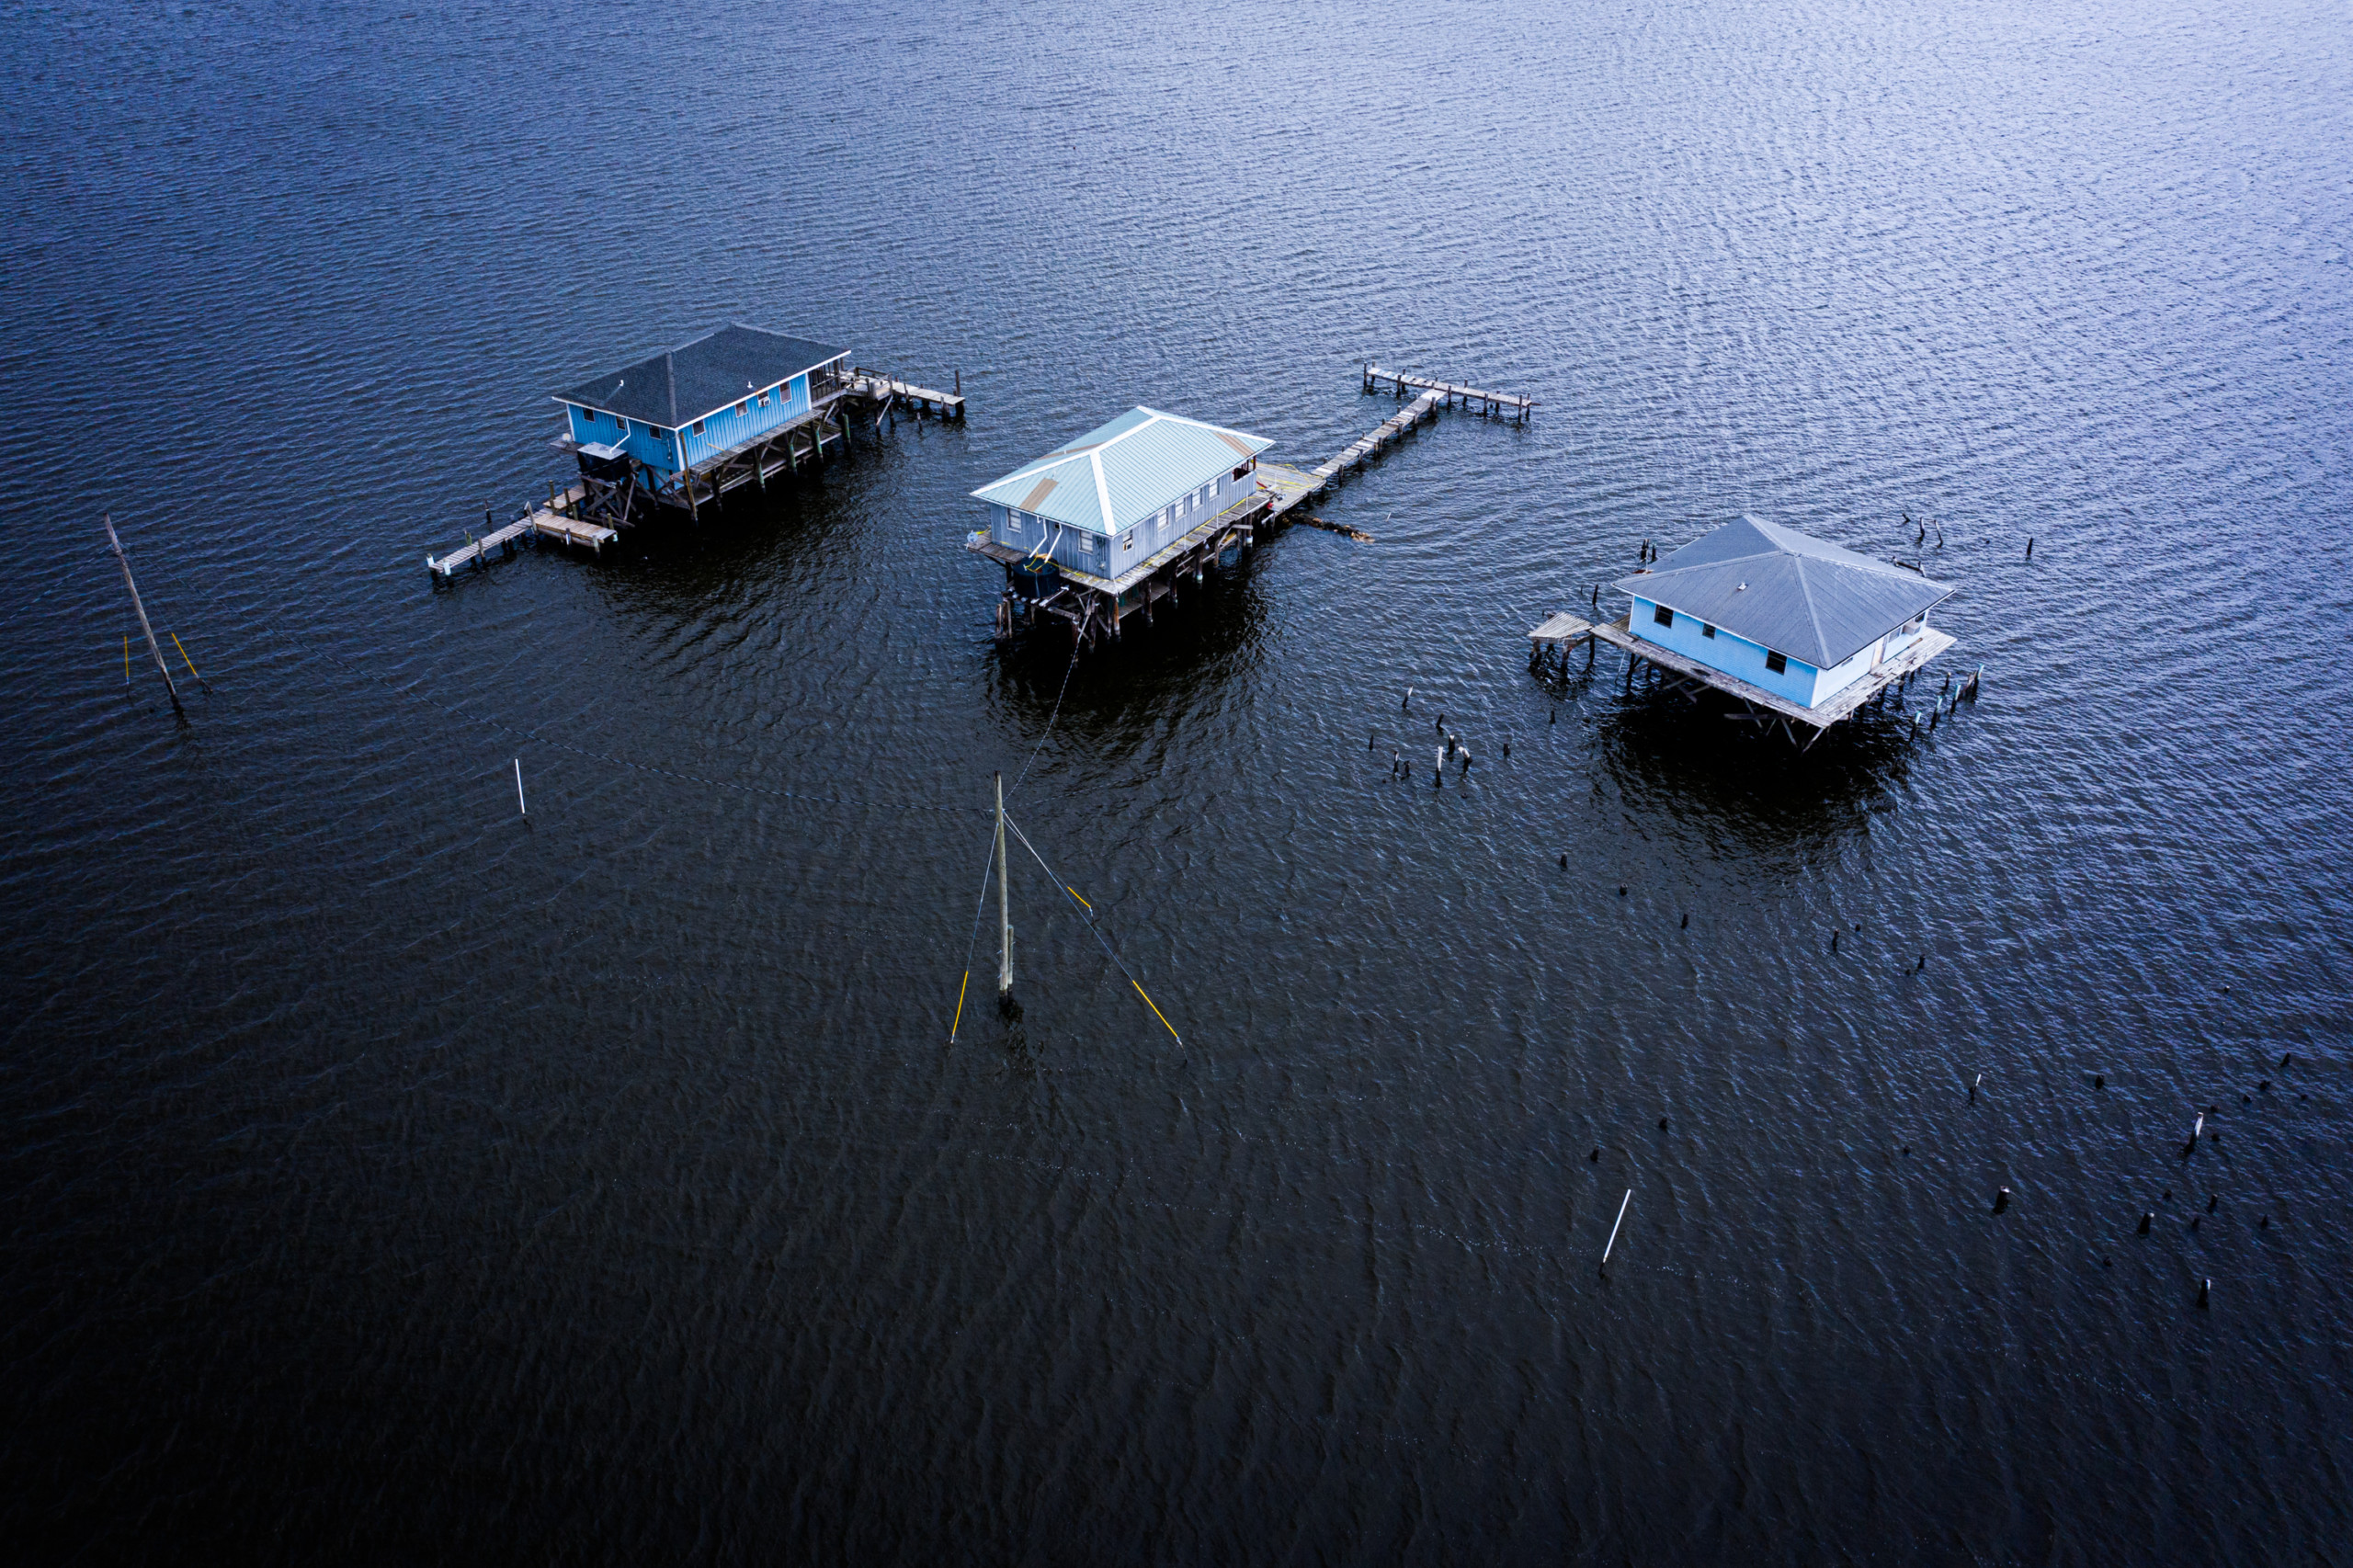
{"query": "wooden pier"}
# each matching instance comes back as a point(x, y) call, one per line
point(1490, 403)
point(1688, 677)
point(886, 392)
point(554, 520)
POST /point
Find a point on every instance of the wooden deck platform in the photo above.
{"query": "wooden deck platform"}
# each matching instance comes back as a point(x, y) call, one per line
point(886, 391)
point(549, 521)
point(1763, 708)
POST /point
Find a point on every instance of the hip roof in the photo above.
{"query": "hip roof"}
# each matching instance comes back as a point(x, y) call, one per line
point(1121, 472)
point(1795, 594)
point(699, 378)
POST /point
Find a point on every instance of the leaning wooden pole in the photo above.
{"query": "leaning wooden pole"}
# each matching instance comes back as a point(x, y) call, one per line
point(1003, 901)
point(161, 668)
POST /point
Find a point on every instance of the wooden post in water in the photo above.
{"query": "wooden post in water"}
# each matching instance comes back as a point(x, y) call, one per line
point(1004, 903)
point(161, 668)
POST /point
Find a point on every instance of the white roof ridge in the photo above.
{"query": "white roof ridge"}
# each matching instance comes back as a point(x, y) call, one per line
point(1156, 418)
point(1103, 488)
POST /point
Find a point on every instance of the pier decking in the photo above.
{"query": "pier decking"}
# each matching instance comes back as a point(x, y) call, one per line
point(1687, 676)
point(1452, 395)
point(552, 521)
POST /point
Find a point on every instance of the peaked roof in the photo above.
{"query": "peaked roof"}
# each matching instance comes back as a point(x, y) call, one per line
point(1795, 594)
point(1118, 474)
point(696, 379)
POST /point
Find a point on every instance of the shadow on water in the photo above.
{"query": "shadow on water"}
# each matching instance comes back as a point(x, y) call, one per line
point(1190, 646)
point(793, 531)
point(1746, 785)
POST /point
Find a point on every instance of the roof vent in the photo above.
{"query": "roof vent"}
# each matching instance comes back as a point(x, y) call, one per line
point(1742, 589)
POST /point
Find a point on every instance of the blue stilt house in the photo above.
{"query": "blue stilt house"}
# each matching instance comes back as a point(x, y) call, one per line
point(682, 427)
point(1799, 630)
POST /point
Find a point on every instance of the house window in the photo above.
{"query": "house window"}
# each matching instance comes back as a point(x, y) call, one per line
point(741, 409)
point(764, 399)
point(697, 426)
point(1240, 472)
point(622, 423)
point(1776, 662)
point(1706, 630)
point(1662, 614)
point(1129, 543)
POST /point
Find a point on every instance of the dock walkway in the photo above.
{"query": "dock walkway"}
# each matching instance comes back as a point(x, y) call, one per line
point(1452, 395)
point(549, 521)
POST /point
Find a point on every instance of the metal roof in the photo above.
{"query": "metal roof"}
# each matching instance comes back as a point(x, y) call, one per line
point(1118, 474)
point(696, 380)
point(1795, 594)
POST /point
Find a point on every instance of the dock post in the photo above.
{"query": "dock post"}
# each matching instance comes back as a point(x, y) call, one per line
point(161, 668)
point(1004, 904)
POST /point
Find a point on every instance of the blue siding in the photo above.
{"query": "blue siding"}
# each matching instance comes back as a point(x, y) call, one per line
point(660, 448)
point(649, 446)
point(1147, 539)
point(1734, 655)
point(748, 420)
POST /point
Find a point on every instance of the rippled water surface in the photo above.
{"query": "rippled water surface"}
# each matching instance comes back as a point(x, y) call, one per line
point(386, 1175)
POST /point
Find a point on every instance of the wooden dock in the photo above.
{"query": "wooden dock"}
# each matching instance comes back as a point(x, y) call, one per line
point(1490, 403)
point(552, 521)
point(1688, 677)
point(886, 392)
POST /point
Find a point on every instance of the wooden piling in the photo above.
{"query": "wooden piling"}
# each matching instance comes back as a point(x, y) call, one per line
point(161, 668)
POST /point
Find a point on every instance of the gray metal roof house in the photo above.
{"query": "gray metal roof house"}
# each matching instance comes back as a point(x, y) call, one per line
point(1776, 609)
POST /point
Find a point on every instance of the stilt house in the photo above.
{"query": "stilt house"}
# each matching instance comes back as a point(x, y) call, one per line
point(1801, 619)
point(675, 425)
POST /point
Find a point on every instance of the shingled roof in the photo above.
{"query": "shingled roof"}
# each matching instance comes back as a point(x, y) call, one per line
point(1795, 594)
point(699, 378)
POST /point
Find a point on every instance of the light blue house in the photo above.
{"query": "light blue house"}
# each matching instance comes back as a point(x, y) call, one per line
point(669, 421)
point(1801, 620)
point(1124, 492)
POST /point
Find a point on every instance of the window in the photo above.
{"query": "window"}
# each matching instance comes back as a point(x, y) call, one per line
point(762, 400)
point(697, 426)
point(1129, 543)
point(1706, 630)
point(1240, 472)
point(622, 423)
point(1662, 614)
point(1776, 662)
point(740, 408)
point(588, 415)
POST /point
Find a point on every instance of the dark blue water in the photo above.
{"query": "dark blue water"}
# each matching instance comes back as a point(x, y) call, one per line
point(386, 1177)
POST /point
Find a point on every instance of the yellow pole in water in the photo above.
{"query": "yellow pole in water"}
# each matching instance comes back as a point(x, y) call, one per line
point(959, 1019)
point(184, 658)
point(1158, 1014)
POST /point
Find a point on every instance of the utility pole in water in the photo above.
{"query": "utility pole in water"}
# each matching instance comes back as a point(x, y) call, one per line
point(166, 670)
point(1004, 904)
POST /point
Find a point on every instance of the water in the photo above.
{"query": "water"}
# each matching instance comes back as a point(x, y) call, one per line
point(389, 1178)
